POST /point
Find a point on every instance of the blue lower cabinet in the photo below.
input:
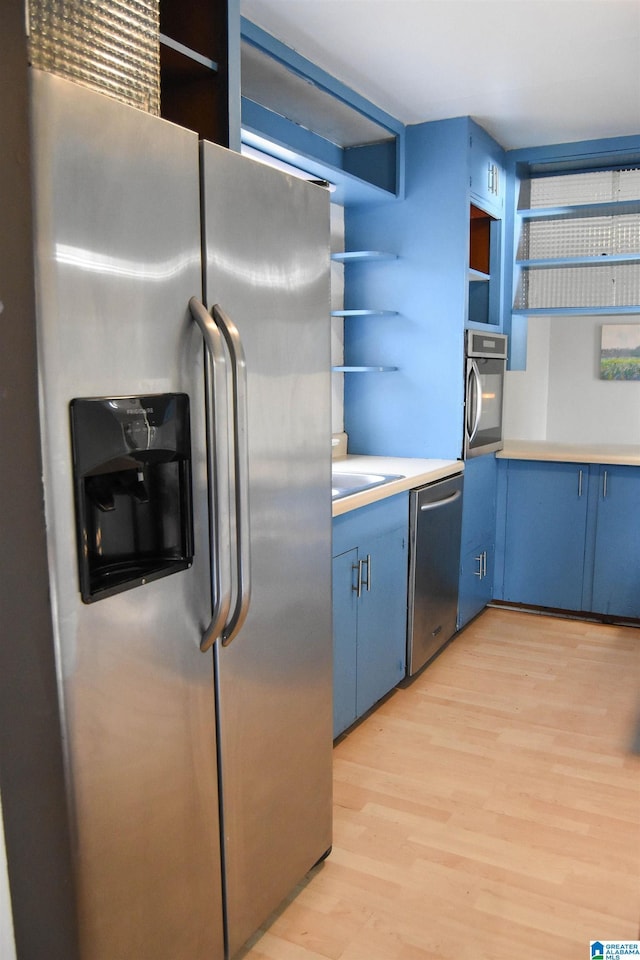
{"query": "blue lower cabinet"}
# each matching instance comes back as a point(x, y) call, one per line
point(345, 628)
point(544, 538)
point(476, 581)
point(569, 537)
point(478, 537)
point(370, 566)
point(616, 566)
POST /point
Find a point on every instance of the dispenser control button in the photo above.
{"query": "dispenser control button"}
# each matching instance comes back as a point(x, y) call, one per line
point(139, 434)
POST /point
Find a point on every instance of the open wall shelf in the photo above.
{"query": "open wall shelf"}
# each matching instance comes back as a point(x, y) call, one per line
point(362, 256)
point(363, 369)
point(576, 210)
point(364, 313)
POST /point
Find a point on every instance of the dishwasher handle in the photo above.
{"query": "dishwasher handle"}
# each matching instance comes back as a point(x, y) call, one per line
point(445, 502)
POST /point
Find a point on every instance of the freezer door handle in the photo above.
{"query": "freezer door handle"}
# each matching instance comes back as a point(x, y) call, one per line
point(218, 471)
point(241, 471)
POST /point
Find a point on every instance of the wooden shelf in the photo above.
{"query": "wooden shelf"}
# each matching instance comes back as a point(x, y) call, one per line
point(474, 276)
point(194, 70)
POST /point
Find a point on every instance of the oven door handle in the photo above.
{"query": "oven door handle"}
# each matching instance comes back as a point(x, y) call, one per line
point(475, 400)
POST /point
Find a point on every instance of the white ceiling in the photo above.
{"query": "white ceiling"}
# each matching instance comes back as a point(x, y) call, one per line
point(531, 72)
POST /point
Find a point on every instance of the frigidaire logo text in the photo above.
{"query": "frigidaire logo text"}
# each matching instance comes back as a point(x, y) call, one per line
point(132, 411)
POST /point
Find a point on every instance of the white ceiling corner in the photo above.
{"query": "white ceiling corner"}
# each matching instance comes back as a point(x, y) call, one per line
point(530, 71)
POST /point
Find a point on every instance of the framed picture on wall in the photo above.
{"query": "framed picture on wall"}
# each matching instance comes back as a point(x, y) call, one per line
point(620, 351)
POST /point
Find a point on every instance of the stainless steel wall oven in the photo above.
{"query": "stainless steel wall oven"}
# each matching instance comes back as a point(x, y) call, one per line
point(485, 363)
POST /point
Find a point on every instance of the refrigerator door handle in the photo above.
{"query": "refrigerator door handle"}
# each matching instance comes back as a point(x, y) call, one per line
point(241, 471)
point(218, 472)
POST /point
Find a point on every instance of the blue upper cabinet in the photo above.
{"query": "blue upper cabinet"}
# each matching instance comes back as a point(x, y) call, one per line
point(486, 171)
point(417, 409)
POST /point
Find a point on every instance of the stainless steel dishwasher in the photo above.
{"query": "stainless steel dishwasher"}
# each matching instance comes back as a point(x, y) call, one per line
point(435, 523)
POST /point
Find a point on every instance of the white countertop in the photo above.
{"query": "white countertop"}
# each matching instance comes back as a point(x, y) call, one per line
point(413, 473)
point(622, 453)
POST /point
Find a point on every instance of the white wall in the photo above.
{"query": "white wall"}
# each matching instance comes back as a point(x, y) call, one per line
point(526, 392)
point(7, 947)
point(560, 397)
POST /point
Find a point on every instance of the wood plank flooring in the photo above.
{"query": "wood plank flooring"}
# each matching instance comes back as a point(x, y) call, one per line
point(491, 809)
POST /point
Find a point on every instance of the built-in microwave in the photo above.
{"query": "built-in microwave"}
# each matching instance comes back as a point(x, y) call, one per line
point(485, 363)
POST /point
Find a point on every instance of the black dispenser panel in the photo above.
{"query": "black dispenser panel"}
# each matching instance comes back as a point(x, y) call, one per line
point(132, 479)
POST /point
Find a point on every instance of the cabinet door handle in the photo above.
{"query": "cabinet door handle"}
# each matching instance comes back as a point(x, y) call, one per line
point(484, 564)
point(366, 563)
point(362, 581)
point(604, 485)
point(579, 483)
point(478, 572)
point(357, 587)
point(493, 175)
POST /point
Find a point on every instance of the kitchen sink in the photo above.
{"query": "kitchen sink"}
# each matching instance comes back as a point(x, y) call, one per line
point(344, 484)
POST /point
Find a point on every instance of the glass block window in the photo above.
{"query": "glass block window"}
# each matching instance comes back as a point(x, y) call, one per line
point(573, 257)
point(592, 186)
point(580, 237)
point(110, 45)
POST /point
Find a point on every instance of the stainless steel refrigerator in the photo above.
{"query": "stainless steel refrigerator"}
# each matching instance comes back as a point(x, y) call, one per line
point(186, 470)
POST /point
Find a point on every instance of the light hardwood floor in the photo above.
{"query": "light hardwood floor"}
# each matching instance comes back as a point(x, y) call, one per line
point(491, 809)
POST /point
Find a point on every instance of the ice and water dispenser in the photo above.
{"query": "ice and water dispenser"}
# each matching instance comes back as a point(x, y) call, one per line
point(132, 477)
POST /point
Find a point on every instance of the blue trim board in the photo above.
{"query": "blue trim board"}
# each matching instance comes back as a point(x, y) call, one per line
point(581, 155)
point(233, 72)
point(577, 311)
point(297, 139)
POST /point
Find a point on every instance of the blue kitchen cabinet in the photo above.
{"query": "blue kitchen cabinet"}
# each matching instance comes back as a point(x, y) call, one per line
point(345, 630)
point(616, 563)
point(542, 542)
point(486, 171)
point(476, 581)
point(370, 566)
point(417, 409)
point(478, 537)
point(568, 537)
